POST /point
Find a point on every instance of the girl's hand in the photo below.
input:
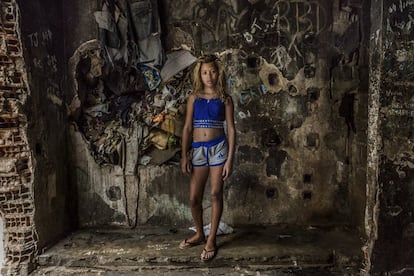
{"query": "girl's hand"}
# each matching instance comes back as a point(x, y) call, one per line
point(185, 166)
point(227, 170)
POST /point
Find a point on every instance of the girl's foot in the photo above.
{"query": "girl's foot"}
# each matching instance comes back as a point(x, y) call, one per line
point(193, 241)
point(208, 254)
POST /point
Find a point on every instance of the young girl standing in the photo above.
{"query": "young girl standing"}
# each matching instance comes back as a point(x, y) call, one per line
point(212, 151)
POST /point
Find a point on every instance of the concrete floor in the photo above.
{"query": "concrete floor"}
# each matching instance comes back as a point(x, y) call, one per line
point(250, 250)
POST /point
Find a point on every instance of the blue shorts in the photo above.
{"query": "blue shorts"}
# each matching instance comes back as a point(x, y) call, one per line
point(210, 153)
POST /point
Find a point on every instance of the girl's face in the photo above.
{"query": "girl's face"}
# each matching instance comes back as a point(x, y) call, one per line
point(209, 74)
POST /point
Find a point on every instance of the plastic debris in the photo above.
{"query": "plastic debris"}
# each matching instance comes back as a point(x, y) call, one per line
point(223, 229)
point(176, 62)
point(145, 160)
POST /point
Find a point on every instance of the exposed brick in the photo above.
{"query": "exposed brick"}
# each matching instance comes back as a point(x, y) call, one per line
point(16, 196)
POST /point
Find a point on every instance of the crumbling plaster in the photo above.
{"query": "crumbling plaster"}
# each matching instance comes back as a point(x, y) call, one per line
point(17, 173)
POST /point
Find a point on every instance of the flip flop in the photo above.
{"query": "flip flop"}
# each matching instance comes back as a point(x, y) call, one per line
point(207, 252)
point(186, 244)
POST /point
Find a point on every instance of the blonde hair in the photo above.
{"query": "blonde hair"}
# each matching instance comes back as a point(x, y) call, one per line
point(221, 80)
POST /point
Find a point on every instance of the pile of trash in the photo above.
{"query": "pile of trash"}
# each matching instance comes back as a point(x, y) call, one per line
point(111, 104)
point(124, 81)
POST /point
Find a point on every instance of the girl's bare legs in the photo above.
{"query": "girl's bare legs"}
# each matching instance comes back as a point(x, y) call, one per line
point(197, 184)
point(216, 182)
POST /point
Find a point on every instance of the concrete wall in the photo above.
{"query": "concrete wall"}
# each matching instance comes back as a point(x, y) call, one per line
point(301, 147)
point(297, 74)
point(43, 40)
point(395, 70)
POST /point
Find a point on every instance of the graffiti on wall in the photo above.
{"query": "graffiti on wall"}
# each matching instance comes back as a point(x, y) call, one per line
point(273, 30)
point(397, 116)
point(281, 37)
point(45, 63)
point(400, 24)
point(286, 34)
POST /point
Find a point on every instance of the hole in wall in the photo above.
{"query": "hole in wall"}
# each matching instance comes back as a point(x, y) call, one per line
point(275, 161)
point(309, 71)
point(270, 138)
point(272, 193)
point(346, 110)
point(273, 79)
point(292, 89)
point(313, 94)
point(113, 193)
point(307, 195)
point(10, 17)
point(296, 122)
point(253, 62)
point(307, 178)
point(38, 149)
point(312, 140)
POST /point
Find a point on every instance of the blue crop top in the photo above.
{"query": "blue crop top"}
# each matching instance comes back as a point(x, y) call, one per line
point(208, 113)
